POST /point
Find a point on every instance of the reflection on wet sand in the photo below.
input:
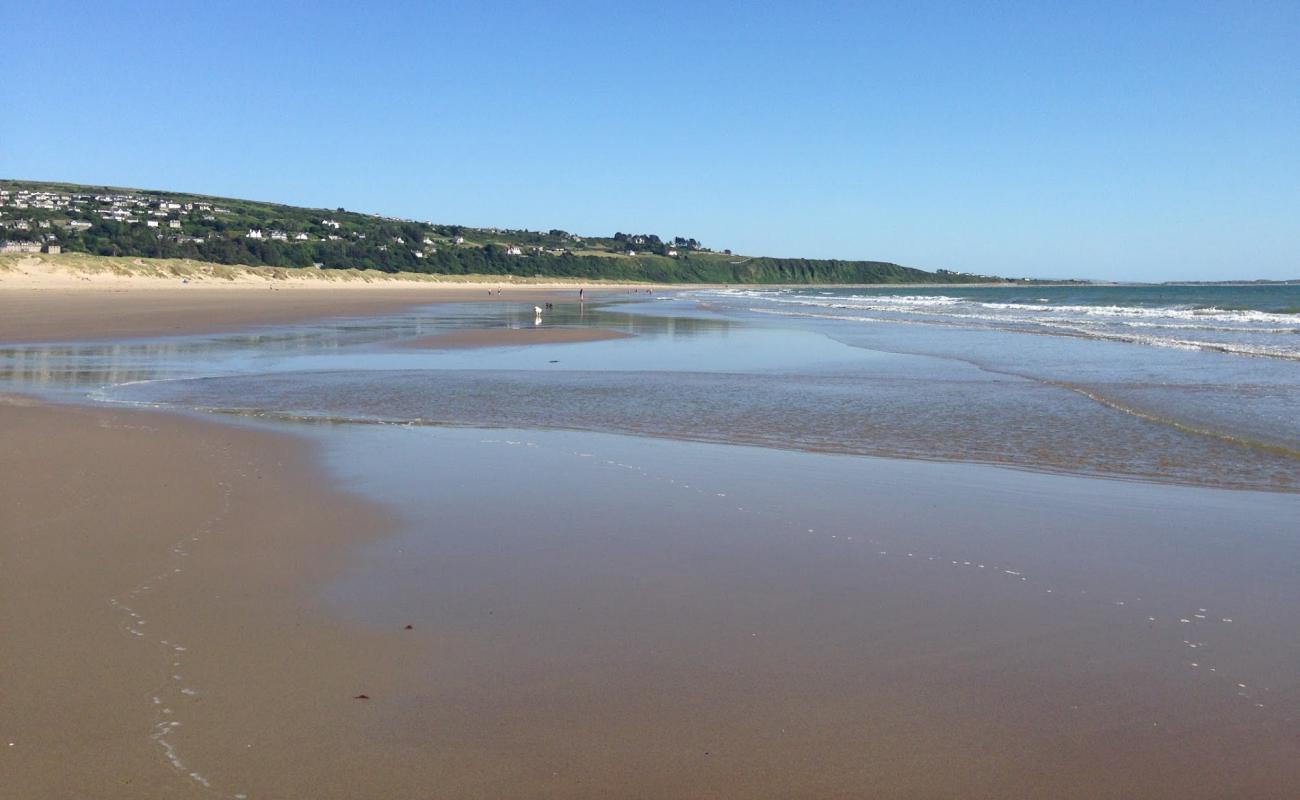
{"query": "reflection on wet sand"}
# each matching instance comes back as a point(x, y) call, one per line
point(62, 366)
point(584, 614)
point(768, 622)
point(694, 375)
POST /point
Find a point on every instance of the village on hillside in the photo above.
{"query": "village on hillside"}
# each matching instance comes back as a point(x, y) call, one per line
point(44, 220)
point(40, 217)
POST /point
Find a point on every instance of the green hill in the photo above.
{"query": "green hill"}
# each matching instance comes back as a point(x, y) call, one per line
point(111, 221)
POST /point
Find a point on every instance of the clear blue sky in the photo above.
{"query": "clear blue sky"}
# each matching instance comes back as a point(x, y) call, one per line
point(1130, 140)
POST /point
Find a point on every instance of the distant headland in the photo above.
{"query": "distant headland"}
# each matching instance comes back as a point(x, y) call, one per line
point(111, 221)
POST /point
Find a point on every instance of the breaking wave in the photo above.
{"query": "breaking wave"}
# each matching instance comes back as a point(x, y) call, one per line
point(1235, 331)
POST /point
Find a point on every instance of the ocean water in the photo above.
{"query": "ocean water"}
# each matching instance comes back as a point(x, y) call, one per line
point(1091, 380)
point(1255, 319)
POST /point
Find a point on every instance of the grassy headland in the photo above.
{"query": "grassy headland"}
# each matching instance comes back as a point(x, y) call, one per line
point(136, 223)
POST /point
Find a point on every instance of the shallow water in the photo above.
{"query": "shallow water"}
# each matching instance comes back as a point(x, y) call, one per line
point(616, 615)
point(715, 367)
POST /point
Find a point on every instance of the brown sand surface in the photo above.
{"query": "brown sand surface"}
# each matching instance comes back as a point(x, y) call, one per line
point(129, 536)
point(621, 617)
point(164, 635)
point(511, 337)
point(79, 296)
point(613, 653)
point(62, 315)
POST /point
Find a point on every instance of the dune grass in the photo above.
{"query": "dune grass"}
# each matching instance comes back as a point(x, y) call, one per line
point(82, 264)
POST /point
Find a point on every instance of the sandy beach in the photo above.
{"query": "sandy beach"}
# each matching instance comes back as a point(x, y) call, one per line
point(193, 608)
point(72, 297)
point(673, 402)
point(166, 638)
point(115, 580)
point(142, 552)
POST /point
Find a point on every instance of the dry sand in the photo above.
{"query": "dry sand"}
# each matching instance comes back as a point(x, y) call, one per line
point(59, 298)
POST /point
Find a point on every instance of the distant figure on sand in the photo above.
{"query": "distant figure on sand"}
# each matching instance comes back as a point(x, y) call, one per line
point(537, 315)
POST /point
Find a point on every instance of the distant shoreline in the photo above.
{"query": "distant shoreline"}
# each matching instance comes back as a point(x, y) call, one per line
point(83, 271)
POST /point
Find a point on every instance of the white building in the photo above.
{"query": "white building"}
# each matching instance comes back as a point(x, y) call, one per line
point(253, 233)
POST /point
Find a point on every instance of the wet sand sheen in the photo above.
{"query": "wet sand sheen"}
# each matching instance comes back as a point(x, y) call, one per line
point(100, 313)
point(510, 337)
point(160, 635)
point(608, 626)
point(675, 619)
point(600, 616)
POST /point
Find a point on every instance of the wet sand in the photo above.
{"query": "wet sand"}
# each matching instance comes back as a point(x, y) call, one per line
point(641, 620)
point(158, 572)
point(513, 337)
point(98, 313)
point(668, 619)
point(599, 616)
